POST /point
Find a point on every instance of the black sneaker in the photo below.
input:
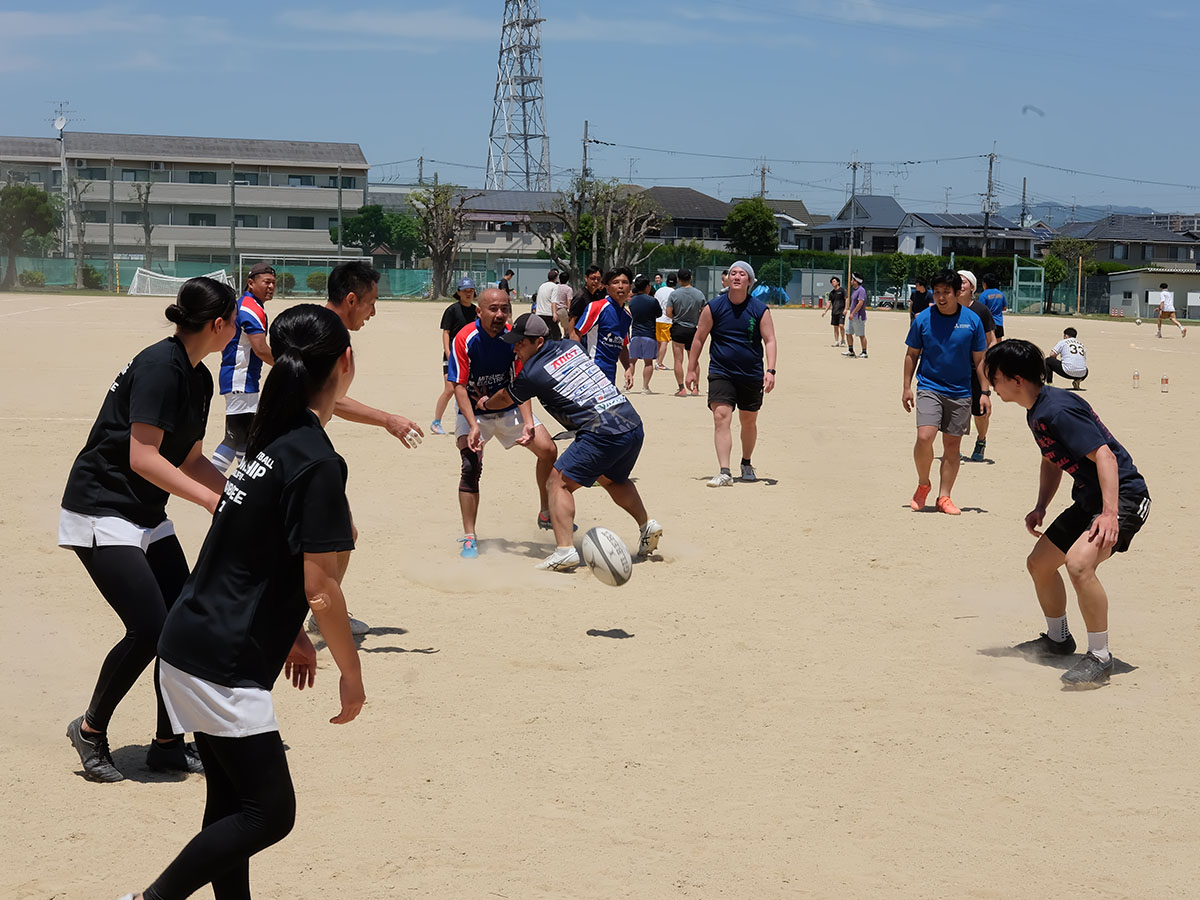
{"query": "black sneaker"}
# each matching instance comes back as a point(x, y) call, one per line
point(174, 757)
point(93, 753)
point(1045, 647)
point(1088, 672)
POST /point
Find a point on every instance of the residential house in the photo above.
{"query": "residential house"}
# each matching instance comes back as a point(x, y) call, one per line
point(940, 234)
point(875, 220)
point(694, 216)
point(1133, 240)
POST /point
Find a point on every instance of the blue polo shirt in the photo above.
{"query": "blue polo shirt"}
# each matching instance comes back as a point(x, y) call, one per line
point(996, 304)
point(946, 344)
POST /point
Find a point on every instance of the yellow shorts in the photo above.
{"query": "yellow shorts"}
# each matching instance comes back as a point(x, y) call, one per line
point(662, 332)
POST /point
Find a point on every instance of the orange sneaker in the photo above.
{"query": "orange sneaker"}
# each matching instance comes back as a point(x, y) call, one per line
point(946, 505)
point(919, 497)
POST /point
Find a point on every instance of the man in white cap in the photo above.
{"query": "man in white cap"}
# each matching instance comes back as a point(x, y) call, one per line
point(856, 316)
point(741, 329)
point(981, 412)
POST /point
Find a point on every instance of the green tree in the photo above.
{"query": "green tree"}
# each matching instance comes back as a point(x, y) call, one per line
point(405, 241)
point(689, 254)
point(1071, 250)
point(927, 266)
point(441, 211)
point(24, 208)
point(751, 228)
point(367, 230)
point(897, 270)
point(1054, 273)
point(605, 221)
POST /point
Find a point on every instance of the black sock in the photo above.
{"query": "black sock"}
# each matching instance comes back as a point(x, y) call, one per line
point(725, 470)
point(745, 462)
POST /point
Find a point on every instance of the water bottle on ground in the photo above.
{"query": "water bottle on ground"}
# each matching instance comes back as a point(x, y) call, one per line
point(1137, 379)
point(1166, 383)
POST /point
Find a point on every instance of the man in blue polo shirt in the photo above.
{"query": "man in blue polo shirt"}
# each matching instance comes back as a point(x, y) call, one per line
point(741, 329)
point(608, 432)
point(482, 364)
point(603, 327)
point(948, 341)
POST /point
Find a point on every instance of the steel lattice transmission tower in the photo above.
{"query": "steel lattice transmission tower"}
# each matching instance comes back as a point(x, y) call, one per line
point(515, 159)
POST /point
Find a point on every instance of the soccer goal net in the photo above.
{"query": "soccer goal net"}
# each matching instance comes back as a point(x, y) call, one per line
point(296, 276)
point(152, 284)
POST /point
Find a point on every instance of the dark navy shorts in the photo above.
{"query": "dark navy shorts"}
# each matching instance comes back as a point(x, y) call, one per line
point(593, 455)
point(1074, 522)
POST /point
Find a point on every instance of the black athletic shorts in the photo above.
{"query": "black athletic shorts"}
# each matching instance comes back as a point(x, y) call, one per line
point(683, 334)
point(743, 393)
point(1076, 519)
point(999, 332)
point(976, 393)
point(837, 318)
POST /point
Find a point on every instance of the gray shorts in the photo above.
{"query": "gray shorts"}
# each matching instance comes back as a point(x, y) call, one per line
point(951, 415)
point(856, 327)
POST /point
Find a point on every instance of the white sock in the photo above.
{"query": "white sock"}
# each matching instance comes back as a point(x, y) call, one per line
point(1098, 645)
point(1056, 628)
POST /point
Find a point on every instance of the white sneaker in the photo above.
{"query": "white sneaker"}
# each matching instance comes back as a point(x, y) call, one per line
point(649, 536)
point(563, 559)
point(357, 626)
point(721, 479)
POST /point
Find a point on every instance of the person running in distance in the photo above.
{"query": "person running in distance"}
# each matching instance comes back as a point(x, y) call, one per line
point(482, 363)
point(993, 298)
point(837, 311)
point(947, 341)
point(683, 306)
point(603, 327)
point(1166, 309)
point(644, 311)
point(458, 315)
point(662, 327)
point(1110, 502)
point(145, 446)
point(741, 329)
point(856, 317)
point(1068, 359)
point(982, 418)
point(273, 552)
point(241, 365)
point(608, 432)
point(505, 283)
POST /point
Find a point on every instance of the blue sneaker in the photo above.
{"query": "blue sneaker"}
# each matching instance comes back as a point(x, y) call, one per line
point(435, 427)
point(470, 550)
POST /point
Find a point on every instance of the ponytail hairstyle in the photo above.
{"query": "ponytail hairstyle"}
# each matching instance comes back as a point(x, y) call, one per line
point(200, 301)
point(306, 340)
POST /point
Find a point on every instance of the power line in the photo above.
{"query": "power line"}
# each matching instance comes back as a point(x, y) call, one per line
point(1122, 178)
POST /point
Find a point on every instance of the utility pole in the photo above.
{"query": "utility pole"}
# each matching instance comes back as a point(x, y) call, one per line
point(850, 250)
point(1024, 206)
point(233, 222)
point(987, 204)
point(420, 170)
point(583, 180)
point(339, 178)
point(112, 210)
point(762, 178)
point(947, 209)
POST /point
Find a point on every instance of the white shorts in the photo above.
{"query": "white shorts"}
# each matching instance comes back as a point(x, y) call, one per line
point(77, 530)
point(240, 402)
point(504, 426)
point(194, 704)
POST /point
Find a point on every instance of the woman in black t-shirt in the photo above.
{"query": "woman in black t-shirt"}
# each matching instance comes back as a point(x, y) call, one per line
point(143, 447)
point(281, 535)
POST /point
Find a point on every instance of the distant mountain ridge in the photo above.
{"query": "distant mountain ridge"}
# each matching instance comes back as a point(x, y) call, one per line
point(1056, 214)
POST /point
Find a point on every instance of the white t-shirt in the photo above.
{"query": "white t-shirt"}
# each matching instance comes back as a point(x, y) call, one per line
point(663, 296)
point(1073, 355)
point(1167, 299)
point(545, 298)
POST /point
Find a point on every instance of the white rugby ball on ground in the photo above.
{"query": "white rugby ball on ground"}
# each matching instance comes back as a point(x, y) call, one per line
point(607, 556)
point(1139, 321)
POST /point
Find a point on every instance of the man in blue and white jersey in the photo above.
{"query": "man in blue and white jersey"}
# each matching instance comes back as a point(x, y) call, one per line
point(603, 327)
point(241, 365)
point(608, 431)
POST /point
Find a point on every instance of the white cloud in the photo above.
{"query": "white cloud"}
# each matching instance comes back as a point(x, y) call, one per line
point(418, 25)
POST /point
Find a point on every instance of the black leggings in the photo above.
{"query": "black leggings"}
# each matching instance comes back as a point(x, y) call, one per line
point(251, 805)
point(140, 587)
point(1054, 367)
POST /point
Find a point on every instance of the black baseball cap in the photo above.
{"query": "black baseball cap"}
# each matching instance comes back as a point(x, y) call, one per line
point(528, 325)
point(261, 268)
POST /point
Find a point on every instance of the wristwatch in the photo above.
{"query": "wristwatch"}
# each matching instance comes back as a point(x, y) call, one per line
point(985, 393)
point(771, 371)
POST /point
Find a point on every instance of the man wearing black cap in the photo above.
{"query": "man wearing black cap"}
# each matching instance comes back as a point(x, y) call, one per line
point(241, 365)
point(608, 430)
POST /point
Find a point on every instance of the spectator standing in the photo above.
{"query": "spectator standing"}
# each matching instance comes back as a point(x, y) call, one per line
point(643, 345)
point(683, 307)
point(458, 315)
point(993, 298)
point(856, 317)
point(837, 311)
point(662, 328)
point(919, 299)
point(547, 296)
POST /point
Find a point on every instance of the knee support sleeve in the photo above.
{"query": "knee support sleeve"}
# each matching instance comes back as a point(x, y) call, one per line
point(472, 468)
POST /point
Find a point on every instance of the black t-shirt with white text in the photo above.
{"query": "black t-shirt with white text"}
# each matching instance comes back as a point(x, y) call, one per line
point(1067, 429)
point(159, 387)
point(240, 611)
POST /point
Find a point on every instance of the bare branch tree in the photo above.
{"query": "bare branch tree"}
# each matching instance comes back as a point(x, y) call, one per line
point(142, 190)
point(76, 189)
point(441, 211)
point(616, 221)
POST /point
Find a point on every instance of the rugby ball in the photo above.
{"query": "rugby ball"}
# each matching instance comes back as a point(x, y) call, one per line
point(1139, 320)
point(607, 556)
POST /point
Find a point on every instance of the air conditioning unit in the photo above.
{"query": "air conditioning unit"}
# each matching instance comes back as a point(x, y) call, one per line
point(157, 166)
point(81, 163)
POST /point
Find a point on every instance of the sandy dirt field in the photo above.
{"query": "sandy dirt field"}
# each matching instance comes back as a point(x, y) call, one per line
point(806, 699)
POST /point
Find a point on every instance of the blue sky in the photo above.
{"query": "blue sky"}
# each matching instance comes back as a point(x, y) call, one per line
point(808, 84)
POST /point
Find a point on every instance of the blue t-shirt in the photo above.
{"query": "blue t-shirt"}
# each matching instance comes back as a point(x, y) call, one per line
point(604, 327)
point(241, 367)
point(995, 302)
point(572, 388)
point(737, 350)
point(485, 364)
point(644, 311)
point(1067, 429)
point(946, 344)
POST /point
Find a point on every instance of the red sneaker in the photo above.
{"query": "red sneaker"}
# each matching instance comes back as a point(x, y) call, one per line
point(919, 497)
point(946, 505)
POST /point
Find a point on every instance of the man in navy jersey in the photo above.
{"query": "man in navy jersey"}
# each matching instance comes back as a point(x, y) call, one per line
point(241, 365)
point(948, 341)
point(482, 363)
point(608, 430)
point(603, 326)
point(741, 329)
point(1110, 503)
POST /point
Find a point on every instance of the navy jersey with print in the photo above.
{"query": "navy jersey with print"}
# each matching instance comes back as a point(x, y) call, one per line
point(241, 609)
point(1067, 429)
point(737, 350)
point(159, 387)
point(483, 363)
point(574, 390)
